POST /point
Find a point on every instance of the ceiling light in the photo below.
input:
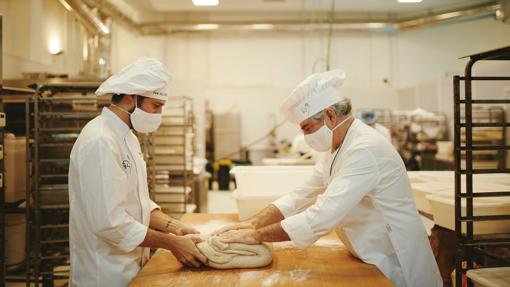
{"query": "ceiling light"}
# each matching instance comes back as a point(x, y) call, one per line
point(206, 27)
point(409, 1)
point(262, 26)
point(205, 2)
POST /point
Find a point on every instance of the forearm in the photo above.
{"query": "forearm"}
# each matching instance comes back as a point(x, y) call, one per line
point(162, 222)
point(156, 239)
point(272, 233)
point(269, 215)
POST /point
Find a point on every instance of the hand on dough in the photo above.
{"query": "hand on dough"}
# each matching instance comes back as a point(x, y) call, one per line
point(247, 236)
point(185, 250)
point(235, 226)
point(183, 229)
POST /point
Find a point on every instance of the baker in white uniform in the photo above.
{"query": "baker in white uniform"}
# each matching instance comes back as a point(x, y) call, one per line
point(360, 189)
point(113, 223)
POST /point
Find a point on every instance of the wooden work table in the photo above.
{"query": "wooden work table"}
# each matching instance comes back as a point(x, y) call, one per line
point(326, 263)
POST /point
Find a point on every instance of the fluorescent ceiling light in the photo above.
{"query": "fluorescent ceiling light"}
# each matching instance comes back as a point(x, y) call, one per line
point(262, 26)
point(205, 2)
point(205, 27)
point(409, 1)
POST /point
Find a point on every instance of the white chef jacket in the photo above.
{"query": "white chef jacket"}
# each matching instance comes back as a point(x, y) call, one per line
point(109, 204)
point(383, 131)
point(365, 195)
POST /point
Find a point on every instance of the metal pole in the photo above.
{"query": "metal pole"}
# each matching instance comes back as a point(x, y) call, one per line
point(37, 211)
point(28, 191)
point(2, 214)
point(458, 200)
point(469, 162)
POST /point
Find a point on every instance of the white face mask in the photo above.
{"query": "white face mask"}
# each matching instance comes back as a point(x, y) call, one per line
point(322, 139)
point(143, 121)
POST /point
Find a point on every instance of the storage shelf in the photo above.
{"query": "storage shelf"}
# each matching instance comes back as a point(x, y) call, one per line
point(170, 155)
point(486, 126)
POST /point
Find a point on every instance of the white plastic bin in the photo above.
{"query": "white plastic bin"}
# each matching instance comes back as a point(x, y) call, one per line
point(269, 180)
point(15, 234)
point(247, 206)
point(421, 190)
point(448, 177)
point(490, 277)
point(443, 210)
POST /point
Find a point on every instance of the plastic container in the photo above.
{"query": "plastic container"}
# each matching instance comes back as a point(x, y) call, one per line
point(448, 177)
point(15, 168)
point(421, 190)
point(490, 277)
point(15, 234)
point(247, 206)
point(269, 180)
point(443, 210)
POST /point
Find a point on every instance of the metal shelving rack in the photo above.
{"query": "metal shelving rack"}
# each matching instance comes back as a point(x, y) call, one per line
point(9, 96)
point(169, 154)
point(2, 206)
point(2, 201)
point(59, 113)
point(487, 136)
point(469, 246)
point(415, 146)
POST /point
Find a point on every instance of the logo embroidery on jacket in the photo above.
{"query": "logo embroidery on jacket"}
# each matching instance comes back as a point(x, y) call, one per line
point(126, 164)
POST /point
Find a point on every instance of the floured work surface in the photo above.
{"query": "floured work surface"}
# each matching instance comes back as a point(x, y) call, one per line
point(327, 263)
point(234, 255)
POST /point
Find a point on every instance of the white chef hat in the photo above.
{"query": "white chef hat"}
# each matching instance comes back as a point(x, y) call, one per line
point(145, 77)
point(313, 95)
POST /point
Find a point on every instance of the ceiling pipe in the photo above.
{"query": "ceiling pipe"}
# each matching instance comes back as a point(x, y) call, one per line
point(173, 27)
point(87, 17)
point(96, 54)
point(113, 12)
point(486, 11)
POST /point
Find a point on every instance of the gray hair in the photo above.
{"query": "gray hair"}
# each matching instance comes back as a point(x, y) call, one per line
point(341, 109)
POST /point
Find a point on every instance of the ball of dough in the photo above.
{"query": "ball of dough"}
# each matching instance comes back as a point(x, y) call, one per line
point(234, 255)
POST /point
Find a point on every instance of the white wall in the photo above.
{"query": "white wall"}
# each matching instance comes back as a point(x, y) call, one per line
point(28, 26)
point(433, 52)
point(253, 73)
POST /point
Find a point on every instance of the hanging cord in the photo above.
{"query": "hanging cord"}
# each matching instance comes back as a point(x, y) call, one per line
point(267, 135)
point(330, 35)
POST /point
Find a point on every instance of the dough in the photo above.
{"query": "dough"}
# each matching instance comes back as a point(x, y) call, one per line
point(234, 255)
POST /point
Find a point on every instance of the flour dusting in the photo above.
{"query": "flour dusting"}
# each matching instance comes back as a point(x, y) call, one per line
point(211, 226)
point(299, 275)
point(271, 280)
point(325, 242)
